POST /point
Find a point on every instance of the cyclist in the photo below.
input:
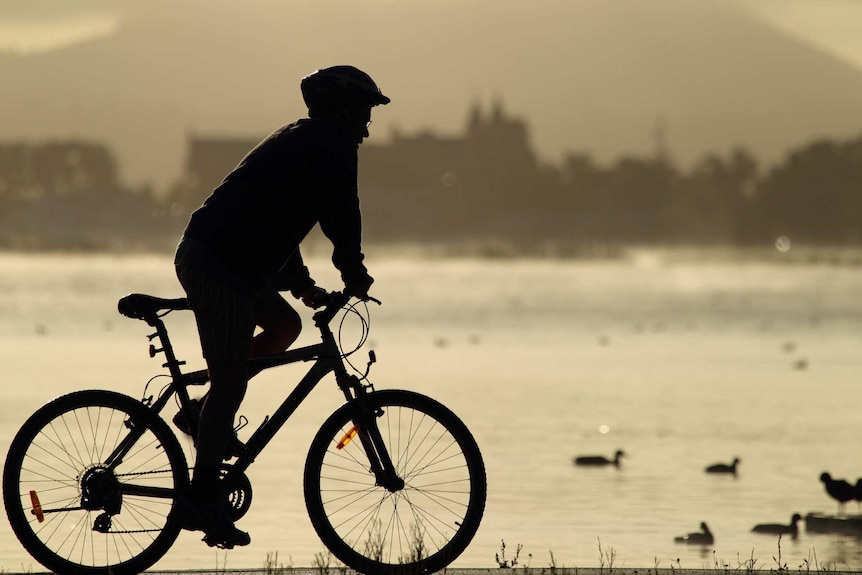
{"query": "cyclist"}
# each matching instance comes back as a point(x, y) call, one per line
point(241, 247)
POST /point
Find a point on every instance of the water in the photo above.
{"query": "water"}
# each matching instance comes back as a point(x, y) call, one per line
point(679, 364)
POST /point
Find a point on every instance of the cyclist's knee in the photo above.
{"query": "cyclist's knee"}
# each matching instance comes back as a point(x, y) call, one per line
point(279, 329)
point(288, 328)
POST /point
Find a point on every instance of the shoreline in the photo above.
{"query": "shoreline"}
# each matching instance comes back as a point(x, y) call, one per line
point(504, 251)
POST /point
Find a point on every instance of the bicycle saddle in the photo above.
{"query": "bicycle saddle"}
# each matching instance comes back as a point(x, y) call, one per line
point(141, 306)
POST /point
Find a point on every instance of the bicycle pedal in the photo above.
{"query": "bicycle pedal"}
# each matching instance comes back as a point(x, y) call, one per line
point(217, 544)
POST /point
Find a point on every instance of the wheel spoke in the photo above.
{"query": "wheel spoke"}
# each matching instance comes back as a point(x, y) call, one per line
point(89, 524)
point(419, 528)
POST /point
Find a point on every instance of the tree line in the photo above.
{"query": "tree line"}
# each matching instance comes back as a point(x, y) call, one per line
point(485, 185)
point(491, 185)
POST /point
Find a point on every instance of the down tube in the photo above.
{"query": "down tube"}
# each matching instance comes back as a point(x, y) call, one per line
point(267, 431)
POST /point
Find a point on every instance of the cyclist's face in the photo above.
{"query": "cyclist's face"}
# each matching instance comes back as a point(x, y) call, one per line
point(359, 124)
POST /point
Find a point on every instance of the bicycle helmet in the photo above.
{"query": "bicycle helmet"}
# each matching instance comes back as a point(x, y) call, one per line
point(330, 89)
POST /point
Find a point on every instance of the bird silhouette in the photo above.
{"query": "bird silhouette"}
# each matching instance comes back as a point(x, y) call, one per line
point(779, 528)
point(839, 490)
point(724, 467)
point(595, 460)
point(702, 537)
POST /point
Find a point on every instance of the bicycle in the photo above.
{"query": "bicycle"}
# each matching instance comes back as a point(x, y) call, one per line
point(394, 483)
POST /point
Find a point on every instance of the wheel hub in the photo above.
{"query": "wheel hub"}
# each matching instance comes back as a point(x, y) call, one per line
point(101, 490)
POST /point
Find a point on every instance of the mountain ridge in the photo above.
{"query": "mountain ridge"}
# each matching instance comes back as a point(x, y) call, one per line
point(586, 77)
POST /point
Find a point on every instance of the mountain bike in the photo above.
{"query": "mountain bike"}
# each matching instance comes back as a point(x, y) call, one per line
point(394, 482)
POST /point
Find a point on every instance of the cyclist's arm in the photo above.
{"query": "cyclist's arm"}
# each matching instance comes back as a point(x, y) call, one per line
point(294, 276)
point(341, 222)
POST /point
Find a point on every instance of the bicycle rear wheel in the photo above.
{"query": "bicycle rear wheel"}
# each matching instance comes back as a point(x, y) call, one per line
point(72, 510)
point(421, 528)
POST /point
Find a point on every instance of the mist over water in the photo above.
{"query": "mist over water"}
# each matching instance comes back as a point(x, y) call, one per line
point(679, 363)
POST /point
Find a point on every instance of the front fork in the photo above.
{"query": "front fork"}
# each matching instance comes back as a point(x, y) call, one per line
point(365, 427)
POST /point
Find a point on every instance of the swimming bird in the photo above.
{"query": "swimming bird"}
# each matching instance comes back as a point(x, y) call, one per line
point(723, 467)
point(839, 490)
point(779, 528)
point(702, 537)
point(599, 459)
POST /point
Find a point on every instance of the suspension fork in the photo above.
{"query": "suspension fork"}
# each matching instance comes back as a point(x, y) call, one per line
point(365, 427)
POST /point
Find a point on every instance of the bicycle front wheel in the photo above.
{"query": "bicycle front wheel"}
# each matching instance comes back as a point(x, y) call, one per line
point(89, 484)
point(421, 528)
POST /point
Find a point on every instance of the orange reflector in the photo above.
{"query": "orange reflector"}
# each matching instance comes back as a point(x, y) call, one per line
point(37, 507)
point(348, 437)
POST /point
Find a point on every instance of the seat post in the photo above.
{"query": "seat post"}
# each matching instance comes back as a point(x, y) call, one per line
point(171, 362)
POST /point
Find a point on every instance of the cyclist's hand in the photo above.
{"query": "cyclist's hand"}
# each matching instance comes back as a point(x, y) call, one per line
point(363, 297)
point(359, 287)
point(314, 297)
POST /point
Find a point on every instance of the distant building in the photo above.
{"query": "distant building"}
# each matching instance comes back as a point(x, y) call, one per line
point(56, 169)
point(410, 184)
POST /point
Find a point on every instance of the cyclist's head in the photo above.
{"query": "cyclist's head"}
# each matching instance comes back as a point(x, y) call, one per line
point(342, 92)
point(330, 90)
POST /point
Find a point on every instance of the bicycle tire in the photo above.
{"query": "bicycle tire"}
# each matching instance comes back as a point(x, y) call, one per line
point(405, 532)
point(58, 455)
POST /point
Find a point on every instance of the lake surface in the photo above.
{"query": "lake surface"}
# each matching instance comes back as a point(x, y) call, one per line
point(679, 363)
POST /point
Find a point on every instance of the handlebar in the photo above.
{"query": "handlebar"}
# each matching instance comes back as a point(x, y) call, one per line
point(333, 303)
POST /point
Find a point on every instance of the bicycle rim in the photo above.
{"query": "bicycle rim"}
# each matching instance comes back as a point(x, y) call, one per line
point(419, 529)
point(64, 504)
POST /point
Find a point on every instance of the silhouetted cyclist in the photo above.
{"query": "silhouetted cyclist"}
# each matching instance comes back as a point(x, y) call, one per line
point(241, 247)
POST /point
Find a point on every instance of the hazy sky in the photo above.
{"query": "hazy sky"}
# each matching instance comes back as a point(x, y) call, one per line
point(34, 26)
point(555, 63)
point(832, 25)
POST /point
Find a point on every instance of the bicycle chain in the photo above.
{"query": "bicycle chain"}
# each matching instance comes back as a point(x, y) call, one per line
point(135, 531)
point(132, 531)
point(154, 472)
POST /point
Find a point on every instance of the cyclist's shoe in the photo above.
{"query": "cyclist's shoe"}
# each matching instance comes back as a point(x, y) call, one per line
point(181, 421)
point(235, 449)
point(228, 539)
point(213, 518)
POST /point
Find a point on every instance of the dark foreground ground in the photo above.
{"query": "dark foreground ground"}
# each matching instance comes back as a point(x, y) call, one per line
point(530, 571)
point(509, 571)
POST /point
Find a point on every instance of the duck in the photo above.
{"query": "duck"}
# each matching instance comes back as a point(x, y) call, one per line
point(724, 467)
point(839, 490)
point(779, 528)
point(596, 460)
point(702, 537)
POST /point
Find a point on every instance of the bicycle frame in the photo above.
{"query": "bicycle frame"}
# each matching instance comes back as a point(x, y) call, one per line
point(327, 359)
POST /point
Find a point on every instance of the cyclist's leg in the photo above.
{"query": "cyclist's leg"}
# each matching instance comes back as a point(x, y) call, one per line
point(280, 325)
point(225, 319)
point(279, 322)
point(228, 383)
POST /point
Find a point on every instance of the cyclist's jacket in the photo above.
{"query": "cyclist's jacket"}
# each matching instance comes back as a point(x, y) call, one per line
point(251, 226)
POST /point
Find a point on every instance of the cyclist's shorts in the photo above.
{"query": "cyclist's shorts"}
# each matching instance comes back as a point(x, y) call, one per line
point(224, 313)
